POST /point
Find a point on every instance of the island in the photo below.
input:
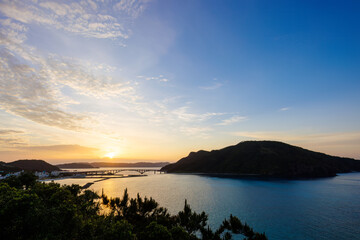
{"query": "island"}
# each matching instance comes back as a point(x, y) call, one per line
point(75, 165)
point(111, 165)
point(264, 159)
point(124, 164)
point(28, 165)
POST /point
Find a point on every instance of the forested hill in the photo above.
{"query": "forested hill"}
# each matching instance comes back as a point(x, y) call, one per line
point(33, 165)
point(4, 167)
point(265, 158)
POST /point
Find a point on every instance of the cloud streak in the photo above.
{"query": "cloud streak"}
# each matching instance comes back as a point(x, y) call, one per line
point(35, 86)
point(159, 78)
point(29, 95)
point(10, 138)
point(200, 132)
point(131, 7)
point(284, 109)
point(31, 85)
point(9, 131)
point(232, 120)
point(183, 114)
point(61, 148)
point(94, 19)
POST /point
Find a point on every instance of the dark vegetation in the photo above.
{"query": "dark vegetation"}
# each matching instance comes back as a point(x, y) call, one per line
point(5, 167)
point(34, 210)
point(264, 158)
point(28, 165)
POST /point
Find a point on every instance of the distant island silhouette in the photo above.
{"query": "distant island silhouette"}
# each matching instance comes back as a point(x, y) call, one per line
point(75, 165)
point(28, 165)
point(41, 165)
point(264, 158)
point(107, 164)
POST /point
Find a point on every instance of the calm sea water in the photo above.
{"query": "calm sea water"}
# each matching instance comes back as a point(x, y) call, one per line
point(298, 210)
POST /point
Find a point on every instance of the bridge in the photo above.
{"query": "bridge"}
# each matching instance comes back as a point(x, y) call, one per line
point(112, 171)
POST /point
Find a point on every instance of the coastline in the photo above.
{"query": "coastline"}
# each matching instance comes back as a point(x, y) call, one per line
point(253, 176)
point(87, 185)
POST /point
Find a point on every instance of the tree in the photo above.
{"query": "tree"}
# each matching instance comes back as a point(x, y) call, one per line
point(50, 211)
point(27, 179)
point(191, 221)
point(145, 214)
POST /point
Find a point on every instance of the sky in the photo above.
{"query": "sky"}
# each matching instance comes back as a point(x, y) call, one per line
point(152, 80)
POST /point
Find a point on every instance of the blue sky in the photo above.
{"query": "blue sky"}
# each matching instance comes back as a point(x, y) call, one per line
point(154, 80)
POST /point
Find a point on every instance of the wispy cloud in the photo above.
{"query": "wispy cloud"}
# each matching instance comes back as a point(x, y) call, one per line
point(35, 85)
point(89, 18)
point(31, 84)
point(13, 30)
point(159, 78)
point(284, 109)
point(183, 114)
point(11, 138)
point(9, 131)
point(75, 75)
point(132, 7)
point(199, 132)
point(232, 120)
point(61, 148)
point(35, 91)
point(11, 142)
point(29, 95)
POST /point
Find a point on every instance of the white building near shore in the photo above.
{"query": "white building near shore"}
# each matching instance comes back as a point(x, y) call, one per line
point(16, 174)
point(42, 174)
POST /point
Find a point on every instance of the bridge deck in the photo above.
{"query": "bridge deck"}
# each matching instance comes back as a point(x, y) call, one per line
point(113, 171)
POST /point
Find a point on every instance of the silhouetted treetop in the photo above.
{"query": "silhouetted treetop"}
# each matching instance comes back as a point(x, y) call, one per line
point(39, 211)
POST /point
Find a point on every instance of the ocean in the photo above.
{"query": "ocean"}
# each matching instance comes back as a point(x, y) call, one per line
point(316, 209)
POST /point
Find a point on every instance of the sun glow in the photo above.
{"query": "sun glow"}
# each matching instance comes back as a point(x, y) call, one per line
point(110, 154)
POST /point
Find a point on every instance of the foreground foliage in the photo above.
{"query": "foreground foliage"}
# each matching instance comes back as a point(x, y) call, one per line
point(33, 210)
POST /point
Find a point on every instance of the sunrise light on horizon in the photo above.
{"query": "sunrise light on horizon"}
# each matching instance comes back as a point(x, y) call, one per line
point(147, 80)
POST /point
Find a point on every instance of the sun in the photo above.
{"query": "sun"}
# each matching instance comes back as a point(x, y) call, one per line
point(110, 154)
